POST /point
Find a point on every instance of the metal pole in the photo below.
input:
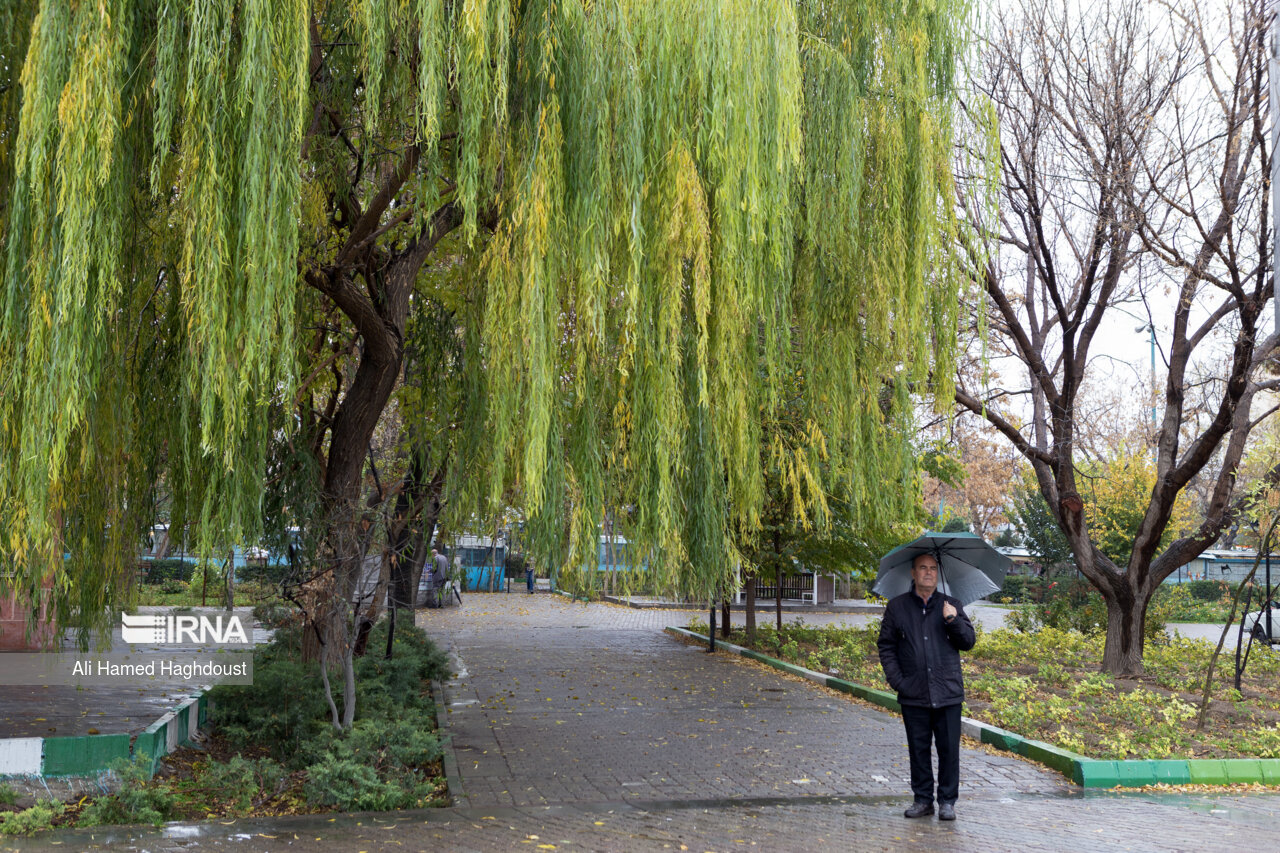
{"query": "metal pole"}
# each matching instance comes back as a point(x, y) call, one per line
point(1274, 68)
point(1151, 327)
point(711, 646)
point(1267, 602)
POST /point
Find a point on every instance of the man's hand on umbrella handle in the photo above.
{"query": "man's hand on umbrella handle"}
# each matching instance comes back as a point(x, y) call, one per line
point(948, 611)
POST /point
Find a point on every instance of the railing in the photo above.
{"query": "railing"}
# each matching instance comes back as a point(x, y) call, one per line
point(794, 587)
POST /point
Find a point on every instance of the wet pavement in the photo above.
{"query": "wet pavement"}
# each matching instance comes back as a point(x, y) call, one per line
point(583, 727)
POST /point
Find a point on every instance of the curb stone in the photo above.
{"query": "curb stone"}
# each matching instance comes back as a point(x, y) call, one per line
point(453, 778)
point(767, 607)
point(84, 755)
point(1082, 770)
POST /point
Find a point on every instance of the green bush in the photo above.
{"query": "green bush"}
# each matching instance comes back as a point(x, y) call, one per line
point(1070, 605)
point(283, 707)
point(516, 564)
point(1206, 590)
point(138, 799)
point(376, 765)
point(347, 784)
point(240, 782)
point(271, 574)
point(276, 614)
point(8, 796)
point(161, 571)
point(32, 820)
point(380, 763)
point(1019, 589)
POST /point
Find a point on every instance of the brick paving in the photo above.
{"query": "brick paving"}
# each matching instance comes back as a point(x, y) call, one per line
point(582, 727)
point(543, 713)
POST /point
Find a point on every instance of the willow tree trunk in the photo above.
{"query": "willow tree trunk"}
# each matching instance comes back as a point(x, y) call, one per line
point(749, 618)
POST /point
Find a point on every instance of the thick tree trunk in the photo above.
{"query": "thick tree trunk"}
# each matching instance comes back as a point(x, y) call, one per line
point(749, 620)
point(417, 509)
point(1126, 624)
point(777, 590)
point(727, 625)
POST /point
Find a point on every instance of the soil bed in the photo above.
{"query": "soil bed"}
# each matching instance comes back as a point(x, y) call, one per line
point(1046, 685)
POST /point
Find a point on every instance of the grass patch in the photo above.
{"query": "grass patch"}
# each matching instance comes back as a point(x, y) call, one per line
point(1045, 685)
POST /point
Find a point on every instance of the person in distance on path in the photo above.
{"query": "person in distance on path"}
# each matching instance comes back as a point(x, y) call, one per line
point(921, 637)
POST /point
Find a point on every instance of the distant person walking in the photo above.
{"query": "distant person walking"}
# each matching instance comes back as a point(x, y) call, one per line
point(439, 572)
point(921, 637)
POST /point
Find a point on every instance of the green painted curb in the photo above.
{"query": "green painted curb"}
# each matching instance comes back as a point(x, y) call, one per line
point(152, 743)
point(1091, 773)
point(90, 754)
point(1083, 771)
point(81, 756)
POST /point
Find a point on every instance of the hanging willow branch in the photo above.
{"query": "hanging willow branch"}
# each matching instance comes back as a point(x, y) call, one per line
point(663, 210)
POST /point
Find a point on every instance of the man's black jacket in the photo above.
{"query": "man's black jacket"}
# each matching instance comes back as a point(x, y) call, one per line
point(920, 653)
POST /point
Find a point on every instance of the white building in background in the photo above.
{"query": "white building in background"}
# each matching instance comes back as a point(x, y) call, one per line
point(1223, 564)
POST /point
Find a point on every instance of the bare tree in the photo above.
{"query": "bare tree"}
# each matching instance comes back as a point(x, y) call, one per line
point(1133, 178)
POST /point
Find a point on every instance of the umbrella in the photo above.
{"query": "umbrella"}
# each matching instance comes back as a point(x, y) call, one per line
point(969, 568)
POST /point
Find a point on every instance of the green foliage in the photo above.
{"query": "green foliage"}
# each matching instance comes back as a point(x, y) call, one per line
point(138, 799)
point(1119, 490)
point(1263, 741)
point(238, 782)
point(282, 709)
point(1006, 538)
point(1038, 528)
point(1046, 685)
point(377, 765)
point(1019, 589)
point(8, 796)
point(1207, 590)
point(162, 571)
point(266, 574)
point(663, 209)
point(32, 820)
point(380, 763)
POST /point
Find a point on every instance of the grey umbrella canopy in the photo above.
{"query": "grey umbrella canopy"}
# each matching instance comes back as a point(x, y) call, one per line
point(969, 568)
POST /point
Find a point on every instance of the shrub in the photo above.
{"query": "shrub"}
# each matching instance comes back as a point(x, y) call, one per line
point(1263, 741)
point(1206, 590)
point(32, 820)
point(276, 614)
point(380, 763)
point(8, 796)
point(516, 564)
point(282, 708)
point(138, 800)
point(1019, 589)
point(272, 574)
point(160, 571)
point(240, 781)
point(347, 784)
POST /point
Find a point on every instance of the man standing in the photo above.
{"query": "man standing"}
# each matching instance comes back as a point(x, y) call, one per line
point(921, 637)
point(439, 571)
point(440, 566)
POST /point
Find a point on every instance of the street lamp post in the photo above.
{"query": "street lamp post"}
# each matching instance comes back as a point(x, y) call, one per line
point(1150, 327)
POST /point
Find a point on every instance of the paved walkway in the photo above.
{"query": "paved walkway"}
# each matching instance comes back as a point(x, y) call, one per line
point(582, 727)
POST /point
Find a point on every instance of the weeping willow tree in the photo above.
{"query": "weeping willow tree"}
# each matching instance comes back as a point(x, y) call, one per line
point(220, 214)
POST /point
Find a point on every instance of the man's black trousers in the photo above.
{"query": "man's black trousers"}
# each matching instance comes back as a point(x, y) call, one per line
point(927, 726)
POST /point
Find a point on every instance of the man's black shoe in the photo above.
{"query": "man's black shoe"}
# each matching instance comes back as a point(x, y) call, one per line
point(946, 811)
point(921, 810)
